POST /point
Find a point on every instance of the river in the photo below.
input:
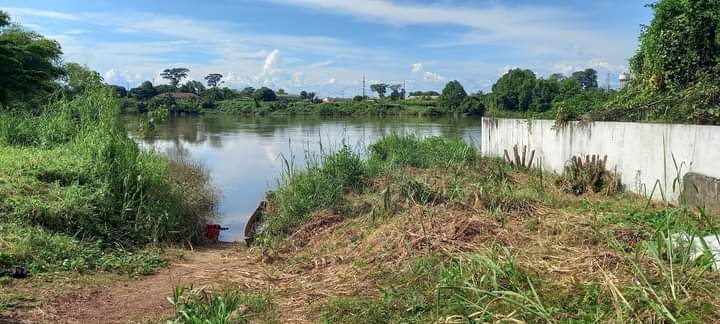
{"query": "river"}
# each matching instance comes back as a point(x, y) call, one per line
point(244, 155)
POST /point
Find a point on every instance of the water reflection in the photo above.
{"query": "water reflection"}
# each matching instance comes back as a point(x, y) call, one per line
point(244, 154)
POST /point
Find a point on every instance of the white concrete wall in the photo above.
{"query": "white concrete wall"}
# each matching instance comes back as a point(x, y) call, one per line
point(641, 153)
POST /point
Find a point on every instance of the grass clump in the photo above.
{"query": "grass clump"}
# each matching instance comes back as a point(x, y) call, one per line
point(398, 150)
point(40, 250)
point(320, 185)
point(196, 305)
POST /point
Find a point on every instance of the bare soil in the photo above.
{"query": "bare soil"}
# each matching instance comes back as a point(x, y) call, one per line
point(296, 295)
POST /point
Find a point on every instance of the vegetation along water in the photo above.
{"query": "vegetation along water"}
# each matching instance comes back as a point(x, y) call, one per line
point(379, 209)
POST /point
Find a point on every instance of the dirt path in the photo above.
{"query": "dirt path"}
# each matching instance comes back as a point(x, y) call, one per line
point(146, 299)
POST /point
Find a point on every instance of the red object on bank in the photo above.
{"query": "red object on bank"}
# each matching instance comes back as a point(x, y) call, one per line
point(212, 232)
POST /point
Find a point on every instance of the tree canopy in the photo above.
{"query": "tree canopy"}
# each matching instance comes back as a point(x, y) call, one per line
point(265, 94)
point(214, 80)
point(144, 92)
point(453, 95)
point(29, 63)
point(587, 79)
point(680, 47)
point(379, 88)
point(174, 75)
point(514, 90)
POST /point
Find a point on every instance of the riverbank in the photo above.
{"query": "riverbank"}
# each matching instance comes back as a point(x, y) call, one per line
point(79, 197)
point(250, 107)
point(427, 230)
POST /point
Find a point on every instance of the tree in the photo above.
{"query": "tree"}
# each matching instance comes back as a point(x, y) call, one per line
point(472, 106)
point(193, 86)
point(680, 47)
point(281, 92)
point(513, 91)
point(265, 94)
point(175, 75)
point(144, 92)
point(544, 94)
point(397, 92)
point(214, 80)
point(379, 88)
point(311, 95)
point(29, 63)
point(453, 95)
point(80, 77)
point(303, 95)
point(165, 88)
point(119, 91)
point(587, 79)
point(247, 92)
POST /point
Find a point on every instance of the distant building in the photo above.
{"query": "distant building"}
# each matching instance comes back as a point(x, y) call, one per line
point(328, 100)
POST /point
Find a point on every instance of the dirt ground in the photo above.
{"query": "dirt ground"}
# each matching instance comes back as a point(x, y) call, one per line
point(146, 299)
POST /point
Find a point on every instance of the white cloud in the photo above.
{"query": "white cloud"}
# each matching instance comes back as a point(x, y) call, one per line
point(271, 66)
point(418, 67)
point(40, 13)
point(433, 77)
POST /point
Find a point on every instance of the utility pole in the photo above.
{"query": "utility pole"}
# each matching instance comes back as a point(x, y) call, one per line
point(363, 85)
point(608, 82)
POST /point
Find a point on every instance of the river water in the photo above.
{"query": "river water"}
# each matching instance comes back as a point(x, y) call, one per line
point(245, 155)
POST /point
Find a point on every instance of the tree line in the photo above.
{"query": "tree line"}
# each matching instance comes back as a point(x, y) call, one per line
point(674, 76)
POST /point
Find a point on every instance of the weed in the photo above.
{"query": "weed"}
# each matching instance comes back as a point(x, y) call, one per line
point(196, 305)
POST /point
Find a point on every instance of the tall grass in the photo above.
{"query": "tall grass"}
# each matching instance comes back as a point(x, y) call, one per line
point(321, 184)
point(73, 170)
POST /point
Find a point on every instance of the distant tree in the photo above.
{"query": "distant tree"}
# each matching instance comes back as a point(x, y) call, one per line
point(193, 86)
point(453, 95)
point(175, 75)
point(265, 94)
point(4, 19)
point(29, 63)
point(79, 77)
point(397, 92)
point(358, 98)
point(380, 89)
point(144, 92)
point(303, 95)
point(281, 92)
point(119, 91)
point(587, 79)
point(311, 96)
point(214, 80)
point(557, 77)
point(472, 106)
point(247, 92)
point(544, 94)
point(514, 90)
point(165, 88)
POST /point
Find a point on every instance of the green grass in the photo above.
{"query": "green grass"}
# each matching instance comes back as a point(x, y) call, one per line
point(197, 306)
point(87, 195)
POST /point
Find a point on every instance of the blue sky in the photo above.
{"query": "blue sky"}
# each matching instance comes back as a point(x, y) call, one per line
point(327, 45)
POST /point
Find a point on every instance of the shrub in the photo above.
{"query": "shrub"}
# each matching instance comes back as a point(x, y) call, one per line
point(589, 176)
